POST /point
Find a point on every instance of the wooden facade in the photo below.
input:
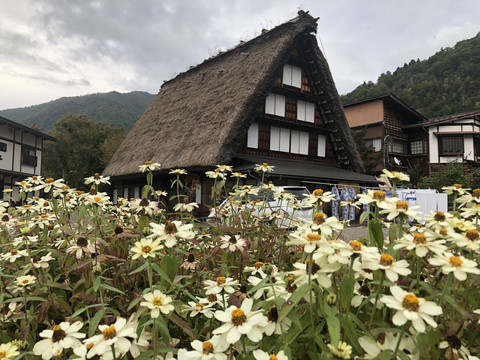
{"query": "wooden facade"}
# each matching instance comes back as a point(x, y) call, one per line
point(388, 122)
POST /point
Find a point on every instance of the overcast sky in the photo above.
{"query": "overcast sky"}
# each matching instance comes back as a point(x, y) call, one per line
point(50, 49)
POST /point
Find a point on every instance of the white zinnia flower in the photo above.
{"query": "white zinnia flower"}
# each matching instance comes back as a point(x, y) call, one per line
point(149, 166)
point(342, 350)
point(25, 280)
point(97, 179)
point(418, 310)
point(241, 321)
point(212, 349)
point(456, 264)
point(8, 351)
point(172, 231)
point(157, 301)
point(262, 355)
point(387, 263)
point(145, 248)
point(420, 243)
point(221, 283)
point(232, 243)
point(63, 336)
point(385, 341)
point(116, 334)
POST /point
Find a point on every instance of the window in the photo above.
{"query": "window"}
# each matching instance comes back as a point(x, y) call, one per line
point(322, 145)
point(292, 75)
point(284, 140)
point(397, 146)
point(305, 111)
point(29, 156)
point(275, 105)
point(418, 147)
point(376, 143)
point(252, 136)
point(3, 146)
point(451, 145)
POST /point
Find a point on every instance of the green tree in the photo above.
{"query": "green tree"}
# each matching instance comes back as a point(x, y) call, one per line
point(368, 154)
point(83, 147)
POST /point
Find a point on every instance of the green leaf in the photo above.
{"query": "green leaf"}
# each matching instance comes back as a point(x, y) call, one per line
point(80, 311)
point(111, 288)
point(96, 284)
point(162, 326)
point(162, 273)
point(333, 324)
point(364, 216)
point(292, 301)
point(137, 270)
point(170, 266)
point(95, 321)
point(145, 355)
point(375, 233)
point(346, 291)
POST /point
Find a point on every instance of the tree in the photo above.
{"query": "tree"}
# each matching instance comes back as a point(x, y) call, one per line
point(83, 147)
point(368, 154)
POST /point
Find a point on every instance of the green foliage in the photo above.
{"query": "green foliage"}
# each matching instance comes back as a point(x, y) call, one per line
point(121, 110)
point(83, 148)
point(451, 174)
point(446, 83)
point(368, 154)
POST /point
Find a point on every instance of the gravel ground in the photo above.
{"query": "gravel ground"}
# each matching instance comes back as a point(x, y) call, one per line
point(355, 232)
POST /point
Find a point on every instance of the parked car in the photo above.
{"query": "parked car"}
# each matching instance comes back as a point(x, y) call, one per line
point(282, 206)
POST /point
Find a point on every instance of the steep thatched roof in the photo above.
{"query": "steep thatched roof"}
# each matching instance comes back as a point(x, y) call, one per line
point(199, 118)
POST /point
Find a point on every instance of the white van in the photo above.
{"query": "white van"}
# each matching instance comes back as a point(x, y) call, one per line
point(283, 206)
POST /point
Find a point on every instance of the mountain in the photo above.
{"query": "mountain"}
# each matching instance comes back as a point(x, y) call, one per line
point(446, 83)
point(121, 110)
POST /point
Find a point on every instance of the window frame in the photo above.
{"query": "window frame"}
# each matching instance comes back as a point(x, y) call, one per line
point(441, 145)
point(29, 155)
point(372, 145)
point(423, 145)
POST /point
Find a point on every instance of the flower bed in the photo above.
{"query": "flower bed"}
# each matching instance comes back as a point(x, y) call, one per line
point(83, 278)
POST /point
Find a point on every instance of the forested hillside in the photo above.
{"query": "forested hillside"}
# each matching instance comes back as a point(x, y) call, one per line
point(446, 83)
point(121, 110)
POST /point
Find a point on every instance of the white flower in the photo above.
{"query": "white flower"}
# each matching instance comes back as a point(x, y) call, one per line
point(420, 243)
point(395, 175)
point(187, 207)
point(262, 355)
point(232, 243)
point(418, 310)
point(14, 254)
point(342, 350)
point(149, 166)
point(318, 196)
point(212, 349)
point(215, 174)
point(240, 321)
point(148, 207)
point(385, 341)
point(222, 283)
point(387, 263)
point(116, 334)
point(49, 184)
point(320, 270)
point(178, 172)
point(82, 246)
point(399, 208)
point(63, 336)
point(25, 280)
point(8, 351)
point(263, 167)
point(157, 302)
point(456, 264)
point(376, 197)
point(43, 262)
point(97, 179)
point(470, 239)
point(145, 248)
point(309, 241)
point(171, 231)
point(224, 168)
point(199, 308)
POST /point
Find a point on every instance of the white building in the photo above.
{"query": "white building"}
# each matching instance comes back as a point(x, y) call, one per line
point(20, 153)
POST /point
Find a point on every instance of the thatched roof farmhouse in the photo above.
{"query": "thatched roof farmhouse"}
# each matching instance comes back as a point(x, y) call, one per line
point(266, 100)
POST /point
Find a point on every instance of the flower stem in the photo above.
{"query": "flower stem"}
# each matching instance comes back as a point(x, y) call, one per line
point(399, 340)
point(377, 295)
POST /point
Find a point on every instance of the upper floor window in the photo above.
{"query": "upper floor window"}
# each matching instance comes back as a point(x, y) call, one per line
point(292, 75)
point(418, 147)
point(29, 156)
point(322, 146)
point(284, 140)
point(252, 136)
point(305, 111)
point(451, 145)
point(376, 143)
point(397, 146)
point(275, 105)
point(3, 146)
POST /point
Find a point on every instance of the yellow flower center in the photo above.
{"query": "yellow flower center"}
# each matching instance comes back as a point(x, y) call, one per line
point(258, 265)
point(109, 333)
point(49, 180)
point(318, 192)
point(439, 216)
point(264, 164)
point(13, 252)
point(410, 302)
point(355, 245)
point(379, 195)
point(146, 249)
point(97, 198)
point(25, 281)
point(455, 261)
point(443, 231)
point(3, 354)
point(472, 235)
point(476, 193)
point(313, 237)
point(273, 357)
point(44, 216)
point(170, 228)
point(238, 317)
point(148, 163)
point(419, 239)
point(221, 280)
point(386, 260)
point(457, 186)
point(158, 301)
point(200, 305)
point(402, 205)
point(319, 218)
point(207, 347)
point(89, 346)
